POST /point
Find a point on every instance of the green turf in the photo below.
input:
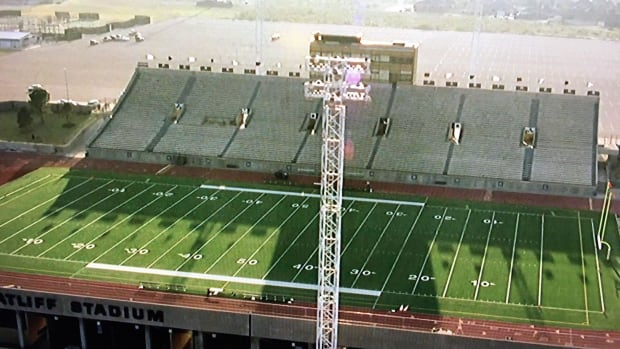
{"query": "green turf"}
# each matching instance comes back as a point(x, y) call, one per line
point(469, 259)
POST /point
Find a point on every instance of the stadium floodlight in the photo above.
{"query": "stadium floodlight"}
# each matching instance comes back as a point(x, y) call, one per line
point(341, 82)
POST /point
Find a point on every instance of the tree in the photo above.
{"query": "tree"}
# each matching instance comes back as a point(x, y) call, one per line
point(66, 109)
point(24, 120)
point(38, 99)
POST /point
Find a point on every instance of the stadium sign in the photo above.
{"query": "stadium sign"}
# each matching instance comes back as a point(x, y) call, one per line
point(116, 311)
point(92, 309)
point(27, 302)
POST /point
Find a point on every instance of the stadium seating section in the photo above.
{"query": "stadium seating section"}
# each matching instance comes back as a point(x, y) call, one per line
point(417, 142)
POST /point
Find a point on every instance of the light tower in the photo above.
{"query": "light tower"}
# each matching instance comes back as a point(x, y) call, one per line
point(341, 82)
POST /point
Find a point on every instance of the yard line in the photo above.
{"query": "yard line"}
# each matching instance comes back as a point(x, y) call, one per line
point(499, 303)
point(484, 257)
point(430, 248)
point(598, 269)
point(400, 252)
point(540, 271)
point(458, 248)
point(33, 189)
point(218, 232)
point(224, 278)
point(51, 199)
point(374, 247)
point(173, 224)
point(87, 225)
point(39, 258)
point(317, 245)
point(270, 236)
point(359, 227)
point(318, 196)
point(583, 270)
point(200, 225)
point(24, 187)
point(512, 260)
point(273, 207)
point(555, 215)
point(152, 219)
point(51, 213)
point(301, 232)
point(121, 221)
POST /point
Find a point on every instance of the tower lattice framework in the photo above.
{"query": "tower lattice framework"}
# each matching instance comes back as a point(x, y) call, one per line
point(341, 82)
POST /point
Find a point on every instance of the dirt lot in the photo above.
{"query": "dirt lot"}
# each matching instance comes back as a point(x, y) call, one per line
point(103, 71)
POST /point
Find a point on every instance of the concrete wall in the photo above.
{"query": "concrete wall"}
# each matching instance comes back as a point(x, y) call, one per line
point(241, 324)
point(369, 337)
point(351, 173)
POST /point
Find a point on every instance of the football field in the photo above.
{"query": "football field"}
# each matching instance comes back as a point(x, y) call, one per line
point(465, 259)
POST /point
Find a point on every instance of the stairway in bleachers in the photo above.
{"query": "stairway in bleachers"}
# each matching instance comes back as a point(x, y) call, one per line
point(169, 120)
point(375, 148)
point(459, 112)
point(528, 157)
point(249, 107)
point(317, 111)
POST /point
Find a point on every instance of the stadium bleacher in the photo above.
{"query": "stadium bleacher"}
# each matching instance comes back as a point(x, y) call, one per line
point(275, 129)
point(420, 120)
point(492, 135)
point(144, 110)
point(420, 116)
point(564, 144)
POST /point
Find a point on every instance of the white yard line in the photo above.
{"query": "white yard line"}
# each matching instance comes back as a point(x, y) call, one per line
point(499, 303)
point(484, 256)
point(89, 223)
point(58, 225)
point(317, 248)
point(458, 248)
point(38, 258)
point(540, 271)
point(118, 223)
point(385, 228)
point(22, 194)
point(400, 252)
point(302, 194)
point(230, 221)
point(359, 227)
point(598, 269)
point(249, 230)
point(277, 229)
point(25, 187)
point(301, 232)
point(172, 225)
point(149, 221)
point(430, 248)
point(583, 270)
point(224, 278)
point(51, 199)
point(512, 260)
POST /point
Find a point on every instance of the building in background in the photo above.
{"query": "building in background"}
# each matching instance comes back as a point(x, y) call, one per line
point(394, 62)
point(16, 40)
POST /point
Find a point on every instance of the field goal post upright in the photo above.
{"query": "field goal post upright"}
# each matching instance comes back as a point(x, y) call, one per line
point(341, 82)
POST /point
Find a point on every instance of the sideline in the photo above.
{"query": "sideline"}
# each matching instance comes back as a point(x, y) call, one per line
point(224, 278)
point(318, 196)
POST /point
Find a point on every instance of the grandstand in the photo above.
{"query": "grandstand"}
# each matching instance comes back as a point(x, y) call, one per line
point(416, 150)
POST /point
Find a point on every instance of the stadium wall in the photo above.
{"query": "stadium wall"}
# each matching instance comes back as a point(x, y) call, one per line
point(270, 167)
point(243, 323)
